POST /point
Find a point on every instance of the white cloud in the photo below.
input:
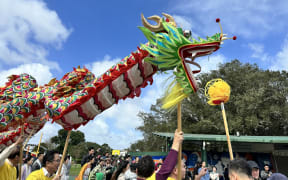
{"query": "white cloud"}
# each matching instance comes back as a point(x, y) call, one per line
point(280, 62)
point(123, 141)
point(100, 66)
point(96, 127)
point(186, 23)
point(276, 62)
point(209, 63)
point(257, 49)
point(116, 140)
point(49, 130)
point(258, 52)
point(183, 22)
point(116, 125)
point(26, 27)
point(237, 17)
point(40, 72)
point(157, 90)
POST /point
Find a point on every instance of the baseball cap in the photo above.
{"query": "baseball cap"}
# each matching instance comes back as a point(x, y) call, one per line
point(253, 164)
point(277, 176)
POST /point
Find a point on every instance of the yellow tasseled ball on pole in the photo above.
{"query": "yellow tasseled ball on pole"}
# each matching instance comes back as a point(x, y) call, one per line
point(217, 91)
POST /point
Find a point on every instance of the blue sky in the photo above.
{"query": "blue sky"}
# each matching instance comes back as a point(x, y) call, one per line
point(47, 38)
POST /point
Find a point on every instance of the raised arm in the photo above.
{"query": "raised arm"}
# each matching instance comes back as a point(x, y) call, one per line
point(171, 160)
point(5, 154)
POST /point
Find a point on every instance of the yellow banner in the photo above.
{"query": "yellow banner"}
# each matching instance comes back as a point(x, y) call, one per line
point(116, 152)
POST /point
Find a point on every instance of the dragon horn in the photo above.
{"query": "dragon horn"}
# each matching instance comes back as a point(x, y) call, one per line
point(153, 28)
point(171, 19)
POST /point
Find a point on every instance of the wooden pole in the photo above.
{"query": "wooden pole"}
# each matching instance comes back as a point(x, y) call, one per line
point(227, 131)
point(39, 144)
point(179, 128)
point(28, 138)
point(27, 152)
point(64, 152)
point(21, 153)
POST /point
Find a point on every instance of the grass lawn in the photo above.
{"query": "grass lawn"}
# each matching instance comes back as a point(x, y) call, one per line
point(75, 169)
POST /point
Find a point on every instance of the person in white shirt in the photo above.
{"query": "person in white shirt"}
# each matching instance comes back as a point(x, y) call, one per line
point(26, 167)
point(38, 163)
point(9, 158)
point(64, 171)
point(214, 175)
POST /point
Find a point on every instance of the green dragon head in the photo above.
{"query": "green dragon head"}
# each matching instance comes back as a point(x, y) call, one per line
point(171, 48)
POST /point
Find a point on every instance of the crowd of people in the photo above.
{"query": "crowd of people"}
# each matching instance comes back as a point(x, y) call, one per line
point(215, 175)
point(95, 166)
point(220, 175)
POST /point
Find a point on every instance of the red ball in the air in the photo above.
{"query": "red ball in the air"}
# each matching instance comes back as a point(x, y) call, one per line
point(234, 37)
point(218, 20)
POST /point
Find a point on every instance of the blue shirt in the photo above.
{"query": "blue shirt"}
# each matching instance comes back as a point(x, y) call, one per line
point(206, 176)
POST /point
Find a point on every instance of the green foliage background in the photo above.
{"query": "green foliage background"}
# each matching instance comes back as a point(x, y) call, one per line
point(78, 147)
point(257, 106)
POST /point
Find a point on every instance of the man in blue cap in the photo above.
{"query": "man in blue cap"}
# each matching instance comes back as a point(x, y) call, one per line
point(255, 170)
point(277, 176)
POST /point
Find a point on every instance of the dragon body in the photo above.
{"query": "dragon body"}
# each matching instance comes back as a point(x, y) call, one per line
point(79, 96)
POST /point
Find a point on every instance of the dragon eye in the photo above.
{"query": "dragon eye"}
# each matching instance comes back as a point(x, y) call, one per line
point(187, 33)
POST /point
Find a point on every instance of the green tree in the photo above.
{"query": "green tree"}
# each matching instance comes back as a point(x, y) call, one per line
point(105, 148)
point(43, 147)
point(257, 106)
point(78, 151)
point(76, 137)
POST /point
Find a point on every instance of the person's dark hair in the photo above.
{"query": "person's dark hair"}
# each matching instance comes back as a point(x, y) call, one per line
point(122, 165)
point(15, 153)
point(145, 167)
point(214, 167)
point(27, 159)
point(240, 166)
point(66, 157)
point(90, 148)
point(49, 157)
point(127, 156)
point(133, 167)
point(39, 154)
point(90, 158)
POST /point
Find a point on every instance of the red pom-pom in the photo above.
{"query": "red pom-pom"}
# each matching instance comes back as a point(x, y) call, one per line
point(234, 37)
point(218, 20)
point(167, 20)
point(217, 102)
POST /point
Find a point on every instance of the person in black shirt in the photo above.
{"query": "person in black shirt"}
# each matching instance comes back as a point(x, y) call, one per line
point(85, 158)
point(195, 170)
